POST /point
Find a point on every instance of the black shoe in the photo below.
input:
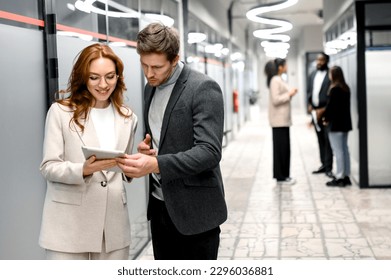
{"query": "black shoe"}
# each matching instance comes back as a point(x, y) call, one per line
point(321, 169)
point(330, 174)
point(336, 183)
point(347, 181)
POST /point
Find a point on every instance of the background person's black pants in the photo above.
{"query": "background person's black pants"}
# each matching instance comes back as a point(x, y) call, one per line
point(325, 151)
point(169, 244)
point(281, 153)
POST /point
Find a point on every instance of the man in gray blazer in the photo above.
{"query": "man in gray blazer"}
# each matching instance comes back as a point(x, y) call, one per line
point(184, 120)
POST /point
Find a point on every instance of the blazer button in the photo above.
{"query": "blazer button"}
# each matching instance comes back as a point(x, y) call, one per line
point(103, 183)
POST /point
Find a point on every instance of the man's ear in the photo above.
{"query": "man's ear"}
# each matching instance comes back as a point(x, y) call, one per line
point(175, 61)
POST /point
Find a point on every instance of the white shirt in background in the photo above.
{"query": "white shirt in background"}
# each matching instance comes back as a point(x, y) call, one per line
point(318, 80)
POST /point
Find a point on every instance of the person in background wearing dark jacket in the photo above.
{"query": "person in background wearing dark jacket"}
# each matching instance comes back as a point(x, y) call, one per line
point(337, 117)
point(317, 90)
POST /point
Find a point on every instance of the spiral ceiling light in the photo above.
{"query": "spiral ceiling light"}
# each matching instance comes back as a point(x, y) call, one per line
point(88, 6)
point(275, 45)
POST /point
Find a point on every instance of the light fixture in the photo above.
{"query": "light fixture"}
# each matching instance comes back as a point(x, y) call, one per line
point(214, 48)
point(217, 49)
point(263, 34)
point(236, 56)
point(76, 35)
point(87, 6)
point(195, 37)
point(71, 7)
point(269, 34)
point(193, 59)
point(221, 52)
point(254, 13)
point(275, 49)
point(238, 65)
point(117, 44)
point(349, 38)
point(225, 51)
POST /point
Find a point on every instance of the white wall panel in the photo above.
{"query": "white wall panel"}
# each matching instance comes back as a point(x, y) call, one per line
point(22, 117)
point(379, 116)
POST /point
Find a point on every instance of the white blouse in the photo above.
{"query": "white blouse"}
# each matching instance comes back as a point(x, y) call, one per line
point(103, 119)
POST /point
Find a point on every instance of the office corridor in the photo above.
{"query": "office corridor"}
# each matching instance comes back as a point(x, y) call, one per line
point(307, 220)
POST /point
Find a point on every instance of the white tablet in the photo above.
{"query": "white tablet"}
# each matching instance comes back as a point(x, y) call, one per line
point(103, 154)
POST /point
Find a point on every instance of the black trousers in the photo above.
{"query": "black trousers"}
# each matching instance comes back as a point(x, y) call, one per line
point(281, 153)
point(169, 244)
point(325, 151)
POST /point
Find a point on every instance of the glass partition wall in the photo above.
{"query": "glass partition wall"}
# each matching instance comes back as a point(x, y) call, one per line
point(378, 84)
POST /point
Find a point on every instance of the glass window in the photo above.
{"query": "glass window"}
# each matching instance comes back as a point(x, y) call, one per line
point(30, 10)
point(378, 82)
point(116, 21)
point(165, 11)
point(378, 15)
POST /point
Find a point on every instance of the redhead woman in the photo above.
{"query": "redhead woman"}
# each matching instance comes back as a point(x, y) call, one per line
point(85, 213)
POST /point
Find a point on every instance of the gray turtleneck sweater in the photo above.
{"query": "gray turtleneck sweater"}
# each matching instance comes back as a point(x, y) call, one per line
point(155, 117)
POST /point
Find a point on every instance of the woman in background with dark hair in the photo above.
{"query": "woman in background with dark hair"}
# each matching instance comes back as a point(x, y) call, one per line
point(280, 119)
point(337, 117)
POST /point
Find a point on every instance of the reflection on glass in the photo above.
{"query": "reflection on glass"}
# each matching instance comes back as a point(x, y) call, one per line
point(379, 116)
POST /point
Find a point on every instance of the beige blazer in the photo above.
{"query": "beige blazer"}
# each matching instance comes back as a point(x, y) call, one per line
point(279, 103)
point(78, 210)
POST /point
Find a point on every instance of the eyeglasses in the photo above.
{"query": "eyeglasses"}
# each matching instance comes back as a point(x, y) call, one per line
point(110, 79)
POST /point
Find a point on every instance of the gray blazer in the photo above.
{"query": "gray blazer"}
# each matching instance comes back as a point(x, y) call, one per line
point(190, 152)
point(77, 210)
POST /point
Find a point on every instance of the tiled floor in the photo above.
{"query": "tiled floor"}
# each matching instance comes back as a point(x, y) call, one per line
point(305, 221)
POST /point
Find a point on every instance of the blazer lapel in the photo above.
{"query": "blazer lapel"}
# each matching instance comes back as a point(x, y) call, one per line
point(325, 82)
point(180, 85)
point(89, 136)
point(122, 129)
point(148, 94)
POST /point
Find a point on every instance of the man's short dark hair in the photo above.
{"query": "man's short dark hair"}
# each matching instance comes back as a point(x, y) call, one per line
point(158, 38)
point(326, 56)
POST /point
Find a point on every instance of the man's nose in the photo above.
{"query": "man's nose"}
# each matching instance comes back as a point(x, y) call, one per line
point(149, 73)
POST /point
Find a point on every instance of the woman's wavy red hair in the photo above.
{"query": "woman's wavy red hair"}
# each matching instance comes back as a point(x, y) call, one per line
point(80, 99)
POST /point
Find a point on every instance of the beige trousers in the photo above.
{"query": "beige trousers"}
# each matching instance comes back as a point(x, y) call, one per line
point(120, 254)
